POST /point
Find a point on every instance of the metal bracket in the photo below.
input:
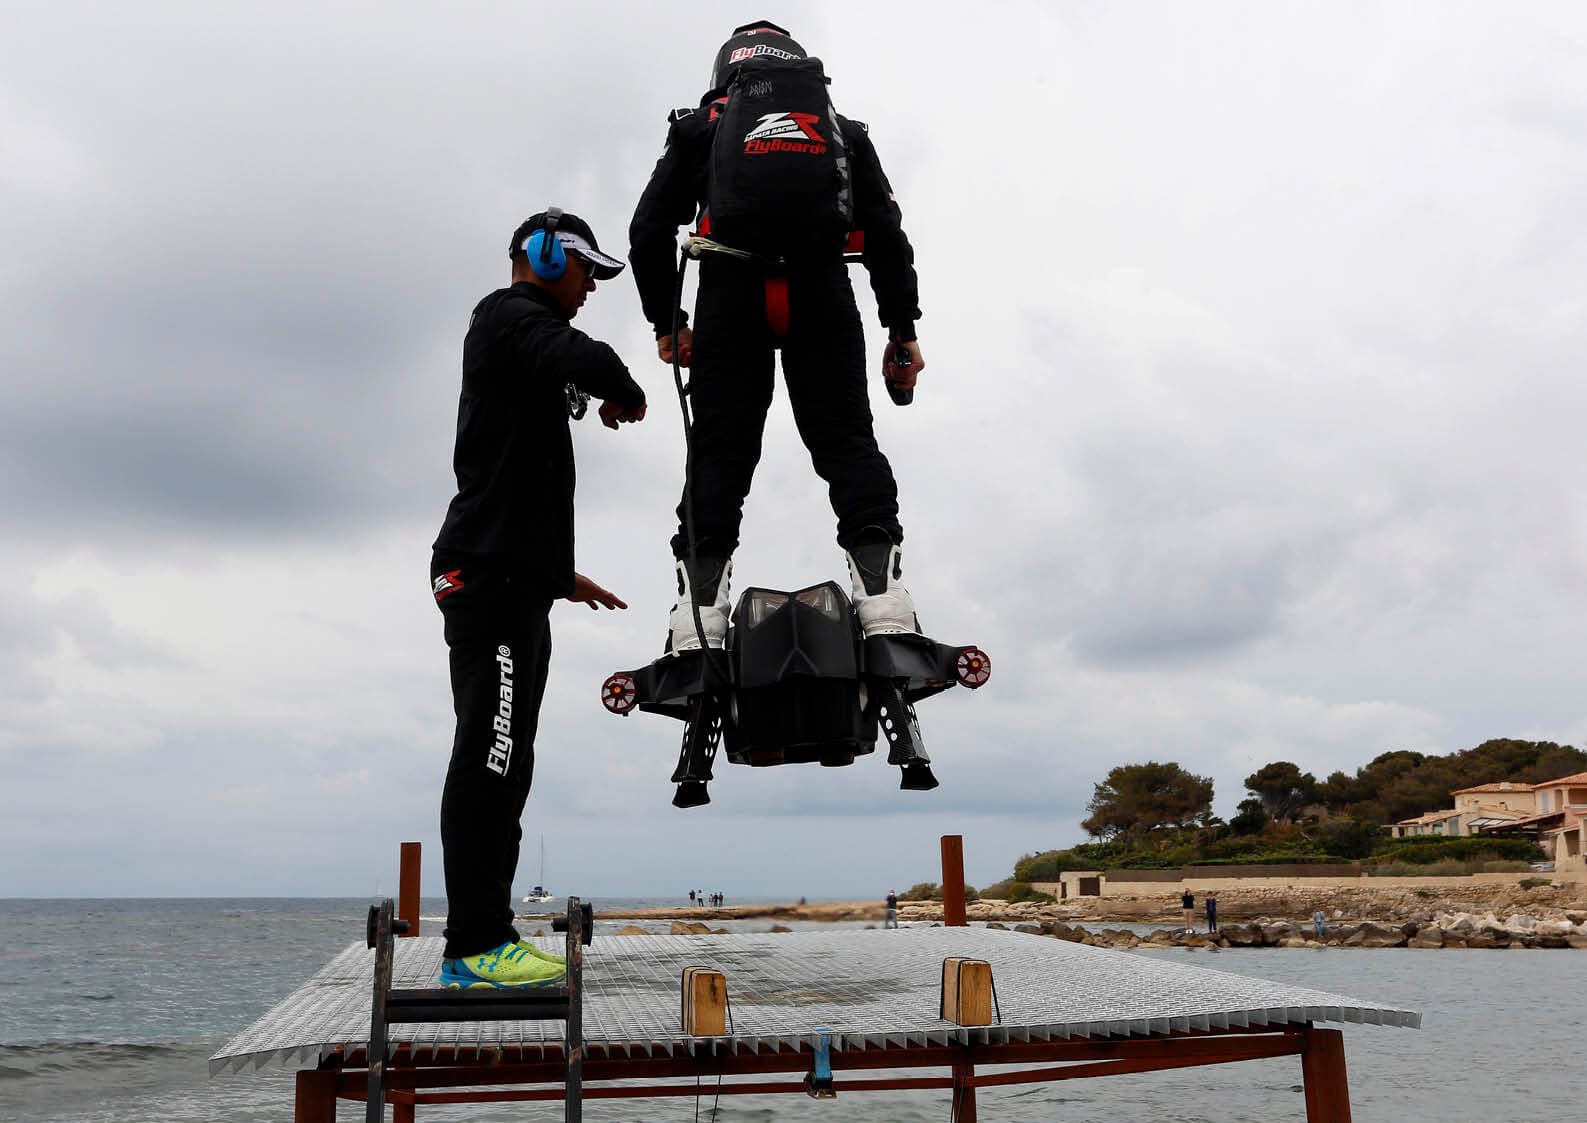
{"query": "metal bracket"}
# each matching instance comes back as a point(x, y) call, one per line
point(818, 1081)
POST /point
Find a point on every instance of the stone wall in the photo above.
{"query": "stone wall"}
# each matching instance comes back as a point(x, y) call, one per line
point(1199, 885)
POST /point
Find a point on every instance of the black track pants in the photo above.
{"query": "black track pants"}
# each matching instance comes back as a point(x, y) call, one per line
point(498, 632)
point(731, 381)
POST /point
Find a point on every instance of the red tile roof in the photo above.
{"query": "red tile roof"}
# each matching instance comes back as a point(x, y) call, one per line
point(1576, 778)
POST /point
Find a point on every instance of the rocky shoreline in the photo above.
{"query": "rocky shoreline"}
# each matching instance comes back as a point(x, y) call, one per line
point(1460, 915)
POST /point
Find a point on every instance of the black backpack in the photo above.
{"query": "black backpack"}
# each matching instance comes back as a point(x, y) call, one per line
point(779, 171)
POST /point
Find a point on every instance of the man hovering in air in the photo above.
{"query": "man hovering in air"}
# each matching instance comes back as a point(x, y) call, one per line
point(504, 554)
point(780, 183)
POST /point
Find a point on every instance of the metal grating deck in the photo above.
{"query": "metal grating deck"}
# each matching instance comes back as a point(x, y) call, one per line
point(867, 989)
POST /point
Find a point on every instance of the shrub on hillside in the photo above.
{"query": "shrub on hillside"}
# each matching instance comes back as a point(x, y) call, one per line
point(1424, 849)
point(1021, 891)
point(931, 891)
point(1444, 867)
point(998, 890)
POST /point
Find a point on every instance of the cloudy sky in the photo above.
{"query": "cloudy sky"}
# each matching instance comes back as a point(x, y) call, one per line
point(1250, 428)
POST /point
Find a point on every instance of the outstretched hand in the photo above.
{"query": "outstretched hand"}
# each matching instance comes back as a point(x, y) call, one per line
point(900, 374)
point(684, 344)
point(588, 592)
point(612, 413)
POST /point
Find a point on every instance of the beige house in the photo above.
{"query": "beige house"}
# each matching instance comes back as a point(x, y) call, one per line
point(1504, 796)
point(1476, 809)
point(1434, 822)
point(1566, 797)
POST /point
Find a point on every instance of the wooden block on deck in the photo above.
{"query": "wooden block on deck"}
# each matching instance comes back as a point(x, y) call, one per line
point(704, 1002)
point(966, 991)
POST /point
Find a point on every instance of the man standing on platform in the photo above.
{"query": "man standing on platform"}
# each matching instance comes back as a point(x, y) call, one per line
point(1188, 903)
point(1210, 900)
point(891, 920)
point(504, 554)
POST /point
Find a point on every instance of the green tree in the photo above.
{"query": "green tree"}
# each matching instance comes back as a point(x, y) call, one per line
point(1251, 819)
point(1137, 797)
point(1283, 789)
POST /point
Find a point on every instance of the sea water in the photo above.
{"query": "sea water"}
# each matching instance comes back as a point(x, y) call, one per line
point(110, 1009)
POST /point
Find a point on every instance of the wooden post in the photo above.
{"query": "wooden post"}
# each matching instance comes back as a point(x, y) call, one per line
point(402, 1113)
point(408, 888)
point(953, 881)
point(963, 1092)
point(1322, 1065)
point(316, 1096)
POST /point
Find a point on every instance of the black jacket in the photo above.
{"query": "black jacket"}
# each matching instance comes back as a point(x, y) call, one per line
point(677, 190)
point(514, 453)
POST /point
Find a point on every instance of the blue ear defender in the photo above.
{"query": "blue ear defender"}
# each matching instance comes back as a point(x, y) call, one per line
point(544, 249)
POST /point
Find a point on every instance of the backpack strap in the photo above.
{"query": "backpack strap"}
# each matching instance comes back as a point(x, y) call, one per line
point(687, 124)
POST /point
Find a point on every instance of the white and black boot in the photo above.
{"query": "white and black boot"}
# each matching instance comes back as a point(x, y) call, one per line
point(882, 603)
point(704, 582)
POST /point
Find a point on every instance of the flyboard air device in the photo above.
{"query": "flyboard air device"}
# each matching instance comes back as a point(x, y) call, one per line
point(797, 684)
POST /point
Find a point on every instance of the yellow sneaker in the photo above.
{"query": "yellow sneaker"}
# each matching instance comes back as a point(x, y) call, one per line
point(510, 965)
point(552, 958)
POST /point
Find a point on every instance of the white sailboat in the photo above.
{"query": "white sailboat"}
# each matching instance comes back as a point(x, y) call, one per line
point(539, 895)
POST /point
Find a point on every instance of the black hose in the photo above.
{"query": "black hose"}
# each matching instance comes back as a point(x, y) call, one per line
point(688, 446)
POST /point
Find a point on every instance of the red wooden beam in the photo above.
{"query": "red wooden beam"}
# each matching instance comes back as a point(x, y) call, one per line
point(953, 881)
point(408, 887)
point(315, 1100)
point(1225, 1047)
point(1323, 1067)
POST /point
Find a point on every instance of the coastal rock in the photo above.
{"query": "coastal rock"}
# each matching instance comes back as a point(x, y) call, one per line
point(1373, 935)
point(632, 930)
point(1274, 933)
point(1031, 929)
point(1241, 935)
point(1576, 940)
point(1292, 942)
point(1429, 937)
point(690, 928)
point(1480, 938)
point(1454, 941)
point(774, 927)
point(998, 925)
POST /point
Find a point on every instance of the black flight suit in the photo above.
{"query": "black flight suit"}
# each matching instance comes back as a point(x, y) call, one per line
point(505, 552)
point(823, 351)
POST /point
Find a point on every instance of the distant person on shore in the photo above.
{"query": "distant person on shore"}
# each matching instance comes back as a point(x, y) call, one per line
point(503, 557)
point(1319, 923)
point(691, 896)
point(891, 919)
point(1210, 900)
point(1188, 903)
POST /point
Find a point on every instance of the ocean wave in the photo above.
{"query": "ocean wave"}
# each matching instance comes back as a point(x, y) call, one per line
point(38, 1058)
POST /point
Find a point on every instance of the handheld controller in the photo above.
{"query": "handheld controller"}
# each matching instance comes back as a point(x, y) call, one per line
point(901, 395)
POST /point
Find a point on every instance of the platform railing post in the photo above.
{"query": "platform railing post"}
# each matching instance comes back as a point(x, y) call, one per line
point(1323, 1069)
point(408, 887)
point(315, 1101)
point(953, 880)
